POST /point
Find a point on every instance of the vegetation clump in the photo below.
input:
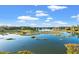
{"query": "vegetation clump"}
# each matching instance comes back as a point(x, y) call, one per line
point(5, 52)
point(33, 37)
point(72, 48)
point(9, 39)
point(24, 52)
point(18, 52)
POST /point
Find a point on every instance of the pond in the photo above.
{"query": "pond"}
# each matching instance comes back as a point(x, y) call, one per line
point(53, 45)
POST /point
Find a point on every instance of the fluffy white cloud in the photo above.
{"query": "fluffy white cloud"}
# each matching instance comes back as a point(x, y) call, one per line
point(41, 13)
point(5, 25)
point(8, 25)
point(46, 24)
point(21, 21)
point(76, 17)
point(54, 7)
point(27, 18)
point(55, 23)
point(47, 20)
point(50, 18)
point(60, 22)
point(33, 24)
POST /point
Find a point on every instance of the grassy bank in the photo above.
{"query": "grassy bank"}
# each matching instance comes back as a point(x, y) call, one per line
point(72, 48)
point(18, 52)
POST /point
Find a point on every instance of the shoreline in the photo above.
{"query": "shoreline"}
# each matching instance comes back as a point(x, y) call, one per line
point(9, 36)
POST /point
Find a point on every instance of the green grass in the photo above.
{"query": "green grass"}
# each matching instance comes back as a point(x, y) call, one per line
point(18, 52)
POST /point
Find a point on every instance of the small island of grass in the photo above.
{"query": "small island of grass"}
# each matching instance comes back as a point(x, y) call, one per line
point(33, 37)
point(18, 52)
point(24, 52)
point(72, 48)
point(9, 39)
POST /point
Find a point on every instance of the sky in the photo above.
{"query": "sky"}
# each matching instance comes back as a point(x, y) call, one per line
point(39, 15)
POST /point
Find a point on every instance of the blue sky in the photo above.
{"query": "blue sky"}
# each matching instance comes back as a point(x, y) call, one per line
point(39, 15)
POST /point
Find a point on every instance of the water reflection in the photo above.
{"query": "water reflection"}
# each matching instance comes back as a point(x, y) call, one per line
point(46, 43)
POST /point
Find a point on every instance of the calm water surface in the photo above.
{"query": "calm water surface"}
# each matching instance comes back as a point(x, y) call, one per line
point(54, 44)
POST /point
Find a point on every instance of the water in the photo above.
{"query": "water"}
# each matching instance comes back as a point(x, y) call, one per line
point(54, 44)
